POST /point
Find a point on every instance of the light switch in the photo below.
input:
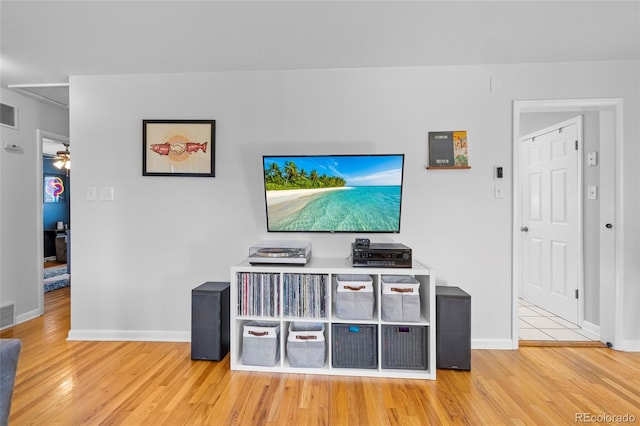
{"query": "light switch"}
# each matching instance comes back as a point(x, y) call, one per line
point(592, 159)
point(91, 193)
point(592, 192)
point(106, 193)
point(498, 191)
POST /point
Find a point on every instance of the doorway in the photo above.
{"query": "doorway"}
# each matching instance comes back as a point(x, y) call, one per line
point(551, 223)
point(599, 311)
point(551, 237)
point(53, 215)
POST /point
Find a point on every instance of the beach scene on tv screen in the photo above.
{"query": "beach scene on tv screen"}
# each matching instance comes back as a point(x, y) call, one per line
point(333, 193)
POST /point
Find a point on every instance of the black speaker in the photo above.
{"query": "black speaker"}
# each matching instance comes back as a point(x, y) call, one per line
point(453, 328)
point(210, 321)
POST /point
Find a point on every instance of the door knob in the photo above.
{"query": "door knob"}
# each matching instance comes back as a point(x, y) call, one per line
point(524, 229)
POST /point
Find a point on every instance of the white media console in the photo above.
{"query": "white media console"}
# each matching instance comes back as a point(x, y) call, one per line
point(264, 293)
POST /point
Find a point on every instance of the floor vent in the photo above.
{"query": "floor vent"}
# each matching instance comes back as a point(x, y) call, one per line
point(7, 315)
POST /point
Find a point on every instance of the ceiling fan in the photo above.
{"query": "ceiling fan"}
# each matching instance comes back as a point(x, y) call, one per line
point(63, 159)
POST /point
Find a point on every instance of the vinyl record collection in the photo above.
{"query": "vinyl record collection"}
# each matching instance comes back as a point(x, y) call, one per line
point(258, 294)
point(304, 295)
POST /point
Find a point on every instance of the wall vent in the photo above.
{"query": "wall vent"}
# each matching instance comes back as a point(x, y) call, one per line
point(7, 315)
point(8, 116)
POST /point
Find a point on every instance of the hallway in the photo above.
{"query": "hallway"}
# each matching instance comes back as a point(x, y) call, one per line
point(534, 323)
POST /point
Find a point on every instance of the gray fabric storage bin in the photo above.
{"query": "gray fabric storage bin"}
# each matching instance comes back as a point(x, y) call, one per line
point(400, 298)
point(405, 347)
point(306, 345)
point(354, 345)
point(354, 298)
point(261, 343)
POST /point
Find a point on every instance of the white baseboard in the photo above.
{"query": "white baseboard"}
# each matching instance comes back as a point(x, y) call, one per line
point(27, 316)
point(592, 330)
point(130, 335)
point(630, 346)
point(185, 336)
point(496, 344)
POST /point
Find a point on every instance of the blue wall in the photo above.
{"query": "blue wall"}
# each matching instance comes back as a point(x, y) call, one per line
point(59, 211)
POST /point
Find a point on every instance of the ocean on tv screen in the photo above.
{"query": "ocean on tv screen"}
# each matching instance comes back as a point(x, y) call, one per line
point(333, 193)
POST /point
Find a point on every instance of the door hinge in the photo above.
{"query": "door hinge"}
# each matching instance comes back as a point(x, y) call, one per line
point(576, 293)
point(576, 145)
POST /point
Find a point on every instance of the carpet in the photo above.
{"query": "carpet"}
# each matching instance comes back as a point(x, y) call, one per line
point(56, 278)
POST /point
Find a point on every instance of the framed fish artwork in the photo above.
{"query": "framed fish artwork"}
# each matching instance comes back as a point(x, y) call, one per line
point(178, 148)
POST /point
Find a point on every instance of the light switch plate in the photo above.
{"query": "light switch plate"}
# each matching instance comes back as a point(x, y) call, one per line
point(106, 193)
point(592, 159)
point(91, 193)
point(592, 193)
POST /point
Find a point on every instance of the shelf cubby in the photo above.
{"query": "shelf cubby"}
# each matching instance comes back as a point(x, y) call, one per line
point(285, 294)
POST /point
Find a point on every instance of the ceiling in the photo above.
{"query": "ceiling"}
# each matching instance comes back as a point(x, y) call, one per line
point(45, 42)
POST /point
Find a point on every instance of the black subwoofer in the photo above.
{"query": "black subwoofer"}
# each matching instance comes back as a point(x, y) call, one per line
point(210, 321)
point(453, 328)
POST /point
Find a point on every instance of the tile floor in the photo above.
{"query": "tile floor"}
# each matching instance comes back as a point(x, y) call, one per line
point(534, 323)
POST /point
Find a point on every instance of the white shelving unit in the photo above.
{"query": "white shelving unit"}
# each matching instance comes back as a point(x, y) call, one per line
point(331, 268)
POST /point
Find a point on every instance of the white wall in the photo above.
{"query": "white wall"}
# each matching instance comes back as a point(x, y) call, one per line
point(137, 258)
point(19, 254)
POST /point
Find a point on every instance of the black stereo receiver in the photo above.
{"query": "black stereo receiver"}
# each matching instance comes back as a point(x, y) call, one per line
point(385, 255)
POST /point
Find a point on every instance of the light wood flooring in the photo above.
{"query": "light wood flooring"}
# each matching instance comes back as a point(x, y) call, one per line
point(53, 264)
point(62, 382)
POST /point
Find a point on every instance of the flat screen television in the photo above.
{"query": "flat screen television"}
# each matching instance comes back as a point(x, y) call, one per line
point(333, 193)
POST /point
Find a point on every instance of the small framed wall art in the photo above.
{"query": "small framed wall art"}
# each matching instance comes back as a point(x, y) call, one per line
point(448, 150)
point(178, 148)
point(54, 186)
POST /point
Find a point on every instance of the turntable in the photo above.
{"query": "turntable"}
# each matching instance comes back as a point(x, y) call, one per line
point(280, 253)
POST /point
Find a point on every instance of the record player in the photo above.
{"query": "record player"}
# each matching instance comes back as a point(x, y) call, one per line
point(280, 253)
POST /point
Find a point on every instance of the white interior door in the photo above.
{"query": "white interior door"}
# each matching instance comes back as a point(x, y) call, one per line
point(550, 222)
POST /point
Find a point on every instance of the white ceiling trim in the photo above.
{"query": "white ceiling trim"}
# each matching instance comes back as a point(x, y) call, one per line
point(56, 94)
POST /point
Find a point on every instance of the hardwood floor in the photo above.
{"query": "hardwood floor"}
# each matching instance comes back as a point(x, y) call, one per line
point(61, 382)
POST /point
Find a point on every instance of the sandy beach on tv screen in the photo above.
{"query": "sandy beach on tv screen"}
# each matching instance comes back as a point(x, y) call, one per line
point(276, 197)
